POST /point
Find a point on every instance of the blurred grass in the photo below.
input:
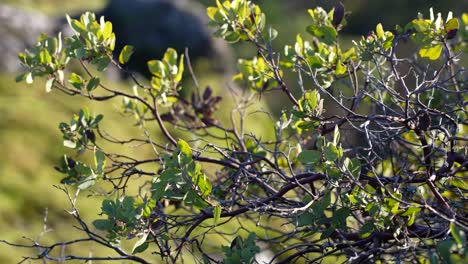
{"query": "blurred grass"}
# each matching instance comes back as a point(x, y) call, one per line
point(57, 7)
point(32, 145)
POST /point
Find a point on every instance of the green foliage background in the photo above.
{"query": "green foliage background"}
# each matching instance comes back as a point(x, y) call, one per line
point(30, 138)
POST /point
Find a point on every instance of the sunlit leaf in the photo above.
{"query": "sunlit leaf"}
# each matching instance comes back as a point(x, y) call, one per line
point(433, 53)
point(379, 31)
point(140, 245)
point(217, 213)
point(126, 53)
point(184, 148)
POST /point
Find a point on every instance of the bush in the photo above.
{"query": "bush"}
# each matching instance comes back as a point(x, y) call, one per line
point(367, 162)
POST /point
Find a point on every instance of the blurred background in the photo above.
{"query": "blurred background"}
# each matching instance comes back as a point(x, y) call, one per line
point(30, 140)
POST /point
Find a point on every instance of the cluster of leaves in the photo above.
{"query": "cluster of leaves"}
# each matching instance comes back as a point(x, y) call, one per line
point(237, 20)
point(167, 74)
point(433, 33)
point(241, 251)
point(395, 193)
point(379, 41)
point(80, 132)
point(323, 54)
point(93, 41)
point(182, 179)
point(123, 218)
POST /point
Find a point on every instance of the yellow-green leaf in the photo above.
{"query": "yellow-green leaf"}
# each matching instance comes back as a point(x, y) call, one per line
point(170, 56)
point(184, 148)
point(180, 70)
point(451, 27)
point(452, 24)
point(157, 68)
point(433, 53)
point(465, 18)
point(126, 53)
point(421, 25)
point(217, 214)
point(211, 12)
point(379, 30)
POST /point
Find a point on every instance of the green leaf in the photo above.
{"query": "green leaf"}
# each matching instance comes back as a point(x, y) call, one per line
point(92, 84)
point(170, 56)
point(451, 27)
point(327, 233)
point(460, 183)
point(340, 216)
point(379, 30)
point(331, 152)
point(433, 52)
point(366, 230)
point(184, 148)
point(217, 214)
point(76, 25)
point(107, 30)
point(21, 77)
point(326, 200)
point(140, 245)
point(336, 135)
point(309, 156)
point(444, 248)
point(126, 53)
point(102, 63)
point(308, 125)
point(45, 57)
point(232, 37)
point(327, 34)
point(452, 24)
point(157, 68)
point(457, 234)
point(340, 68)
point(180, 71)
point(99, 161)
point(411, 219)
point(353, 166)
point(76, 80)
point(311, 99)
point(108, 207)
point(421, 25)
point(211, 12)
point(102, 224)
point(370, 189)
point(203, 184)
point(304, 219)
point(411, 212)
